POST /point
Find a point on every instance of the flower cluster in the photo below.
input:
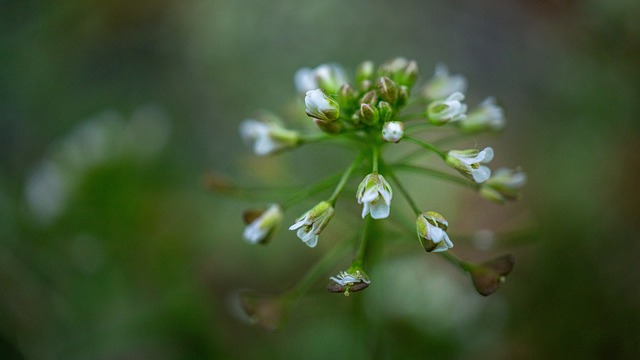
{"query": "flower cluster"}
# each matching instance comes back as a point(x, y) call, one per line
point(375, 108)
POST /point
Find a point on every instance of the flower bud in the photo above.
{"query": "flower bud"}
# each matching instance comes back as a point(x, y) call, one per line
point(486, 117)
point(386, 111)
point(441, 112)
point(441, 85)
point(346, 96)
point(330, 77)
point(370, 98)
point(320, 106)
point(431, 228)
point(311, 224)
point(403, 96)
point(467, 162)
point(503, 185)
point(267, 137)
point(375, 193)
point(388, 90)
point(364, 71)
point(334, 127)
point(262, 224)
point(368, 114)
point(392, 131)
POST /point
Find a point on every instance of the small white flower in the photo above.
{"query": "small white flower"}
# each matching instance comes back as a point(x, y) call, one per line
point(431, 228)
point(311, 224)
point(488, 116)
point(264, 226)
point(441, 85)
point(267, 138)
point(320, 106)
point(329, 77)
point(450, 109)
point(375, 193)
point(503, 185)
point(467, 162)
point(350, 280)
point(392, 131)
point(305, 80)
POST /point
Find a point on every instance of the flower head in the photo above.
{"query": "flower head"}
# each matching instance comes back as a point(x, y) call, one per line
point(267, 137)
point(375, 193)
point(431, 228)
point(467, 162)
point(329, 77)
point(311, 224)
point(321, 106)
point(393, 131)
point(450, 109)
point(441, 85)
point(487, 116)
point(503, 185)
point(353, 279)
point(262, 227)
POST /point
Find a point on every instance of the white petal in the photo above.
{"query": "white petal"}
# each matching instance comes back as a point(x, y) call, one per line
point(365, 209)
point(481, 174)
point(312, 241)
point(298, 224)
point(487, 155)
point(380, 210)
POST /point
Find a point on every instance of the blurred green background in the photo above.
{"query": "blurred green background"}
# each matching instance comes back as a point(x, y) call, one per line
point(112, 111)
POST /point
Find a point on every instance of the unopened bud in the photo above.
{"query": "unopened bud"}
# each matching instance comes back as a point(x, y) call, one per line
point(393, 131)
point(368, 114)
point(386, 111)
point(489, 275)
point(321, 106)
point(388, 90)
point(370, 98)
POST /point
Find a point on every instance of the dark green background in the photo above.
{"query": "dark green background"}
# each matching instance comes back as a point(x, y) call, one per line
point(141, 262)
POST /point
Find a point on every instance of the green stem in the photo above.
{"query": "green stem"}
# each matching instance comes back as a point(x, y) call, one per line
point(312, 190)
point(403, 191)
point(312, 276)
point(343, 180)
point(376, 156)
point(427, 146)
point(358, 261)
point(438, 174)
point(454, 259)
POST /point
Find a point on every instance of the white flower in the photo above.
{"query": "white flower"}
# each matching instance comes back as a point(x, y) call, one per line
point(441, 85)
point(375, 193)
point(431, 228)
point(350, 280)
point(392, 131)
point(320, 106)
point(264, 226)
point(488, 116)
point(267, 137)
point(503, 185)
point(329, 77)
point(450, 109)
point(311, 224)
point(467, 162)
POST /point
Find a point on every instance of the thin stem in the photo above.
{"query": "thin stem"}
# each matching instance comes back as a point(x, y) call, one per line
point(376, 156)
point(438, 174)
point(403, 191)
point(454, 259)
point(321, 267)
point(358, 261)
point(312, 190)
point(427, 146)
point(344, 179)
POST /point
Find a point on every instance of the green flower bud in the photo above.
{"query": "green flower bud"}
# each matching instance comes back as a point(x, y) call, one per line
point(431, 228)
point(368, 114)
point(365, 71)
point(388, 90)
point(370, 98)
point(321, 106)
point(386, 111)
